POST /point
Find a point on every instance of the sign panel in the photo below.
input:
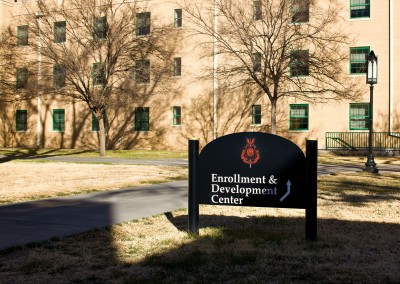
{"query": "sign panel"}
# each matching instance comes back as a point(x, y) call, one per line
point(252, 169)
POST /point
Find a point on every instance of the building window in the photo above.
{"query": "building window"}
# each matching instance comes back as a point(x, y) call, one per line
point(142, 71)
point(300, 10)
point(257, 10)
point(95, 123)
point(58, 120)
point(100, 27)
point(177, 66)
point(256, 114)
point(22, 35)
point(358, 59)
point(299, 63)
point(98, 74)
point(178, 18)
point(257, 62)
point(22, 78)
point(142, 23)
point(60, 32)
point(176, 115)
point(359, 9)
point(21, 117)
point(298, 117)
point(58, 76)
point(359, 116)
point(142, 119)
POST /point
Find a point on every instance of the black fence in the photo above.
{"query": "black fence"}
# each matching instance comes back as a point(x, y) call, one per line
point(381, 141)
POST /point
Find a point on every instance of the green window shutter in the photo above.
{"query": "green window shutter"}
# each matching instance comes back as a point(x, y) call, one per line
point(142, 119)
point(256, 114)
point(176, 113)
point(298, 117)
point(59, 120)
point(21, 117)
point(22, 35)
point(359, 9)
point(60, 32)
point(358, 59)
point(359, 116)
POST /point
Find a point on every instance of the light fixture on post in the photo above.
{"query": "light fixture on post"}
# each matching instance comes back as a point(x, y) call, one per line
point(372, 78)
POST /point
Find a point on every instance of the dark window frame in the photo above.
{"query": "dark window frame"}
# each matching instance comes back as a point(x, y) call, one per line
point(256, 115)
point(58, 120)
point(143, 23)
point(176, 115)
point(299, 63)
point(358, 59)
point(299, 121)
point(21, 120)
point(142, 119)
point(60, 32)
point(23, 35)
point(359, 116)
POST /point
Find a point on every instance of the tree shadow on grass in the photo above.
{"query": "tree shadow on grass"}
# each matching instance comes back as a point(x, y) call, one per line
point(32, 154)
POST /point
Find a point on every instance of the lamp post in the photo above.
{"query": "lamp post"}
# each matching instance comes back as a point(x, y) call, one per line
point(372, 78)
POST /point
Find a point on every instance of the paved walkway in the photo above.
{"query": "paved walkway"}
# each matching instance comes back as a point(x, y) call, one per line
point(27, 222)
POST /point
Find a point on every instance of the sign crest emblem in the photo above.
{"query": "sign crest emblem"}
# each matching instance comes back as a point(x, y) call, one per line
point(250, 154)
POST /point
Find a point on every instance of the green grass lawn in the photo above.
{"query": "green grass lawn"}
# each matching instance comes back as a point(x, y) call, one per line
point(125, 154)
point(358, 242)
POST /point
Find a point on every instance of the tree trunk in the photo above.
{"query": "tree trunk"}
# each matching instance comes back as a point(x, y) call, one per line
point(102, 137)
point(273, 116)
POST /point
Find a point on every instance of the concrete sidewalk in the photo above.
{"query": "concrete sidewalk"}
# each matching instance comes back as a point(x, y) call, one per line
point(41, 220)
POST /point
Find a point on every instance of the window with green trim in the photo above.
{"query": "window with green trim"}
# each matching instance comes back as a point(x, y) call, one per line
point(143, 23)
point(100, 27)
point(60, 32)
point(21, 117)
point(358, 59)
point(359, 9)
point(359, 116)
point(298, 117)
point(22, 35)
point(256, 114)
point(142, 71)
point(257, 62)
point(58, 76)
point(95, 123)
point(176, 115)
point(299, 63)
point(142, 119)
point(257, 10)
point(178, 18)
point(59, 120)
point(98, 74)
point(300, 10)
point(177, 66)
point(22, 78)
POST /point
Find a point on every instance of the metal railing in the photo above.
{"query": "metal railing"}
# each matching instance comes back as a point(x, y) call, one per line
point(359, 140)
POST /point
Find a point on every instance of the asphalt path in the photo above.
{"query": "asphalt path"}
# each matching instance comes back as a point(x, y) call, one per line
point(28, 222)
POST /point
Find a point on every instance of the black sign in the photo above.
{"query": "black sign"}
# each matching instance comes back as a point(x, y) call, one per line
point(252, 169)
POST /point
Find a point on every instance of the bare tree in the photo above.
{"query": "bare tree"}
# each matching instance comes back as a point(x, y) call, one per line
point(281, 48)
point(99, 52)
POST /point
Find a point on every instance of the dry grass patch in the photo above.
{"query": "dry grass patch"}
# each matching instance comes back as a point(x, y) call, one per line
point(358, 229)
point(22, 181)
